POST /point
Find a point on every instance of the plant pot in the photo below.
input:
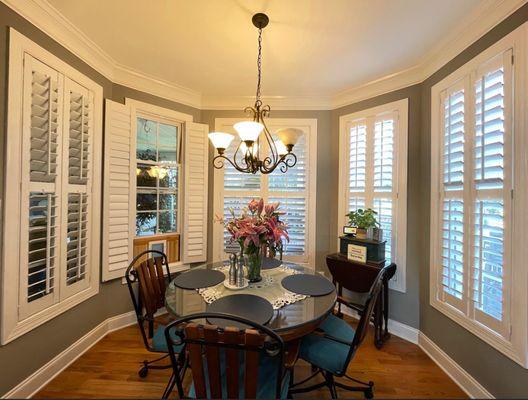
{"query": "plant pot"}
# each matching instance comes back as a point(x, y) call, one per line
point(253, 261)
point(361, 233)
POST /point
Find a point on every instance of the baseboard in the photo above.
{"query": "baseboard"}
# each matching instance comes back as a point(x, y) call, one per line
point(459, 375)
point(33, 383)
point(396, 328)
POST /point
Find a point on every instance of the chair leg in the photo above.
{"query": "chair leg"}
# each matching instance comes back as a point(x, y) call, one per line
point(366, 388)
point(169, 387)
point(331, 384)
point(307, 388)
point(147, 365)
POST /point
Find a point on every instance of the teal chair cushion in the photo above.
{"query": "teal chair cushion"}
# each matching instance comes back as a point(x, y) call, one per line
point(267, 379)
point(325, 353)
point(159, 343)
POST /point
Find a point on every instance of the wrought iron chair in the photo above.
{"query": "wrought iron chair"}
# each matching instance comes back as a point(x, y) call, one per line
point(228, 362)
point(332, 347)
point(147, 270)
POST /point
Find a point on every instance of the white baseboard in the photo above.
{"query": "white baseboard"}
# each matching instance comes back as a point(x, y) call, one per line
point(459, 375)
point(396, 328)
point(38, 379)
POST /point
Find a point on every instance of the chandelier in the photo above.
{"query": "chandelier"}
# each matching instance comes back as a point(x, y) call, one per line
point(255, 137)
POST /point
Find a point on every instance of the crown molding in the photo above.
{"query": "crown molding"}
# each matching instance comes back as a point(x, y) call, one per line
point(44, 16)
point(308, 102)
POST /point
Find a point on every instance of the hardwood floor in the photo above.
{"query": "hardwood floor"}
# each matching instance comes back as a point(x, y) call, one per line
point(109, 370)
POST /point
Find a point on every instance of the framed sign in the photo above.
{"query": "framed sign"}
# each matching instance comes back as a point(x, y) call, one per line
point(357, 253)
point(349, 230)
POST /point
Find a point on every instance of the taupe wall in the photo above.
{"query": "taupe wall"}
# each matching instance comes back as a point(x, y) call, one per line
point(501, 376)
point(325, 188)
point(21, 357)
point(404, 307)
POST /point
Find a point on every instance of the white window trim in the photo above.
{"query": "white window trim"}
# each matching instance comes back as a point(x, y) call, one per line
point(165, 115)
point(218, 185)
point(516, 347)
point(401, 107)
point(12, 328)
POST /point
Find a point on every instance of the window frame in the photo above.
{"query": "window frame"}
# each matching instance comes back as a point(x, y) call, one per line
point(513, 342)
point(399, 192)
point(12, 326)
point(309, 125)
point(140, 109)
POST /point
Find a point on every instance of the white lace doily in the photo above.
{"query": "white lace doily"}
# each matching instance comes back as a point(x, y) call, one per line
point(269, 288)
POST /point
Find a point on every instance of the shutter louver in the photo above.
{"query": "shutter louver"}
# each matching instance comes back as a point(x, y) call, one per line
point(357, 157)
point(76, 251)
point(294, 180)
point(196, 150)
point(42, 245)
point(235, 180)
point(453, 247)
point(383, 155)
point(294, 209)
point(79, 151)
point(119, 190)
point(44, 124)
point(233, 205)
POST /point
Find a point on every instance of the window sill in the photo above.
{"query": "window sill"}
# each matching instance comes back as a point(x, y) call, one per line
point(492, 338)
point(26, 325)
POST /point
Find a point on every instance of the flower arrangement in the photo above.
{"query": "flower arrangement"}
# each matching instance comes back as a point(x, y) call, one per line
point(258, 225)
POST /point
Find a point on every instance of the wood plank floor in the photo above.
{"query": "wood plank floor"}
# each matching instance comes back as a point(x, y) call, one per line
point(109, 370)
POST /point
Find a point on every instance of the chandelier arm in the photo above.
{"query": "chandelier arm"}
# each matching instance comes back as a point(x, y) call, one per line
point(287, 162)
point(271, 143)
point(218, 162)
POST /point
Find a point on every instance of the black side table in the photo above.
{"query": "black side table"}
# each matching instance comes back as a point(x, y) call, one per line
point(358, 277)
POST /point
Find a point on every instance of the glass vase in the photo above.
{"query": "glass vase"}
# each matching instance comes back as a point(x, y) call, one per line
point(253, 261)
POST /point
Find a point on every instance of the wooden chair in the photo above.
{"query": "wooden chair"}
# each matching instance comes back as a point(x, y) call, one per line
point(332, 347)
point(228, 362)
point(147, 270)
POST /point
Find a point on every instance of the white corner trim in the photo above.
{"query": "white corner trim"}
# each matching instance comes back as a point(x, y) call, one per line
point(459, 375)
point(41, 377)
point(44, 16)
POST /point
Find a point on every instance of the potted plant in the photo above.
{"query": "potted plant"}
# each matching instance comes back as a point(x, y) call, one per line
point(363, 221)
point(258, 225)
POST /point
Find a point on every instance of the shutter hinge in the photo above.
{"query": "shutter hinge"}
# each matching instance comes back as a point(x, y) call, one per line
point(511, 193)
point(512, 59)
point(511, 330)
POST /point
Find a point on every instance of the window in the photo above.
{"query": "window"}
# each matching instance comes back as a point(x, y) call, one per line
point(294, 190)
point(156, 163)
point(51, 260)
point(158, 169)
point(473, 201)
point(371, 144)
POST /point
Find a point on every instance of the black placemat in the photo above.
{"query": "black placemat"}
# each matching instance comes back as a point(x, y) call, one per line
point(199, 278)
point(307, 284)
point(248, 306)
point(270, 263)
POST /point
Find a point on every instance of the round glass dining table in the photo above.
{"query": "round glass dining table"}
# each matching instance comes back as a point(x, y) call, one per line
point(291, 321)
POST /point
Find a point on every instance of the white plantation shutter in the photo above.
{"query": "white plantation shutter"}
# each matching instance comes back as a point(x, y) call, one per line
point(474, 207)
point(77, 185)
point(41, 187)
point(119, 208)
point(195, 158)
point(234, 190)
point(372, 142)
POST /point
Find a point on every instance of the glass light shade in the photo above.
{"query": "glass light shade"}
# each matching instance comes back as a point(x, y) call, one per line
point(248, 130)
point(254, 149)
point(289, 136)
point(221, 140)
point(281, 148)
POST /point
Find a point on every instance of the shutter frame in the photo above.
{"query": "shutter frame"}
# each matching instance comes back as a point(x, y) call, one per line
point(195, 165)
point(115, 119)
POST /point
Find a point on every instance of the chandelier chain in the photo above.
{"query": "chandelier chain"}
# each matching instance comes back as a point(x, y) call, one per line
point(259, 62)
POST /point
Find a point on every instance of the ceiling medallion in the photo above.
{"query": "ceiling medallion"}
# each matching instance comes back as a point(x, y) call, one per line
point(246, 157)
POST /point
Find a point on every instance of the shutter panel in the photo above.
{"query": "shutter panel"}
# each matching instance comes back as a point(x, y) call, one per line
point(196, 151)
point(40, 172)
point(119, 190)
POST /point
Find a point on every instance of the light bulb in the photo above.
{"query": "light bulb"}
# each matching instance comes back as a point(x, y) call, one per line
point(221, 140)
point(289, 136)
point(244, 148)
point(281, 148)
point(248, 130)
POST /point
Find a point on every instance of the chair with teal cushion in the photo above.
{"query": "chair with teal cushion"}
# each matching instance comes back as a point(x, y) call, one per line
point(147, 277)
point(228, 362)
point(332, 346)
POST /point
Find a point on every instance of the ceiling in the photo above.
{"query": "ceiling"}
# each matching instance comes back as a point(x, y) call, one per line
point(310, 47)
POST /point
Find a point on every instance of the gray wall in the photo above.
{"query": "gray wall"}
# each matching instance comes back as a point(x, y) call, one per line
point(501, 376)
point(21, 357)
point(404, 307)
point(325, 188)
